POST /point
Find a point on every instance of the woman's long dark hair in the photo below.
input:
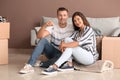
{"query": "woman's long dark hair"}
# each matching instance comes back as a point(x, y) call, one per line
point(85, 22)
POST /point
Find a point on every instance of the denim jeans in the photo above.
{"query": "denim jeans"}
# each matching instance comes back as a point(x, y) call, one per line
point(44, 47)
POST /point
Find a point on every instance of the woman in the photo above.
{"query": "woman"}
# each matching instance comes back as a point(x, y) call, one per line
point(81, 46)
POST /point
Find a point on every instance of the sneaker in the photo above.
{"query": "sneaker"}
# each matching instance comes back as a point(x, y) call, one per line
point(27, 69)
point(37, 64)
point(50, 70)
point(66, 67)
point(40, 64)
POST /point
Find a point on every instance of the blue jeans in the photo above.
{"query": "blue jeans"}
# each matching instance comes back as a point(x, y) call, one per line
point(50, 52)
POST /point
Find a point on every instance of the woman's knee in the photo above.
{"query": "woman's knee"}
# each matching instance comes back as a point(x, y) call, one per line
point(82, 56)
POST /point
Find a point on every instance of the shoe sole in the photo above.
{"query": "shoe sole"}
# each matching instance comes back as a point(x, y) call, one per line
point(23, 72)
point(48, 73)
point(62, 70)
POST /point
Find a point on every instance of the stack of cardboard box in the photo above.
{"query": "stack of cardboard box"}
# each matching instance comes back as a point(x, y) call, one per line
point(4, 36)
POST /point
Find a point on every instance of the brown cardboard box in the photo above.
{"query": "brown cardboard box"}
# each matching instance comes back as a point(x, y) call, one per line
point(4, 30)
point(3, 51)
point(111, 50)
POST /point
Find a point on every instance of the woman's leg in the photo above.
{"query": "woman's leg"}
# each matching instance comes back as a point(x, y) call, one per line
point(82, 56)
point(66, 55)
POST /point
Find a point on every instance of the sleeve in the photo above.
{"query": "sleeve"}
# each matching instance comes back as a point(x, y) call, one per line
point(86, 36)
point(73, 35)
point(49, 29)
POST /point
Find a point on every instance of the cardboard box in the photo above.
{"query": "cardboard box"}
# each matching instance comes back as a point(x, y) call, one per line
point(111, 50)
point(3, 51)
point(4, 30)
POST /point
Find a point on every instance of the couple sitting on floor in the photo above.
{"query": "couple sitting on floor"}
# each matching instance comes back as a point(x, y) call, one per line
point(68, 42)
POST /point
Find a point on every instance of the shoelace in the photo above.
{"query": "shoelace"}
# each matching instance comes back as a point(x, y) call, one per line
point(50, 68)
point(27, 66)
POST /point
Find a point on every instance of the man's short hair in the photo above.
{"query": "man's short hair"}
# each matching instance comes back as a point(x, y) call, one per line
point(61, 9)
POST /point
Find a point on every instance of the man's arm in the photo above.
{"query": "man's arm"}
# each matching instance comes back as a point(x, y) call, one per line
point(43, 32)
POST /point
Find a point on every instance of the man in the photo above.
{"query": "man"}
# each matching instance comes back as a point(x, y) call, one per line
point(58, 32)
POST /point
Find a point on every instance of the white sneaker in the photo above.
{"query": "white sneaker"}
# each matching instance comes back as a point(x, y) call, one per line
point(37, 64)
point(27, 69)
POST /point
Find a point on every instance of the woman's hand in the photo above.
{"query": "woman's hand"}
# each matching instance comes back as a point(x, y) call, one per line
point(64, 45)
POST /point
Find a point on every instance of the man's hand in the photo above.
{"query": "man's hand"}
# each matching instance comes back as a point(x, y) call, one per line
point(42, 32)
point(49, 23)
point(62, 47)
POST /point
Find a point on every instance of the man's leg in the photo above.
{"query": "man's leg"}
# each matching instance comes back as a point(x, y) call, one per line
point(63, 58)
point(51, 55)
point(46, 64)
point(38, 50)
point(28, 68)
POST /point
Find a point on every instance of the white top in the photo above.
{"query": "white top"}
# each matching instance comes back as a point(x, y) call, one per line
point(58, 34)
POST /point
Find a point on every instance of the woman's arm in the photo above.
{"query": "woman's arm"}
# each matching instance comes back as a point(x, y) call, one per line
point(64, 45)
point(70, 44)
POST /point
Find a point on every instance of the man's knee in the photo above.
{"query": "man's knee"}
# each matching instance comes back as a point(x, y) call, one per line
point(43, 41)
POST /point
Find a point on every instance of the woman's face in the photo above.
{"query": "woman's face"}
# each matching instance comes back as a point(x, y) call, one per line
point(78, 21)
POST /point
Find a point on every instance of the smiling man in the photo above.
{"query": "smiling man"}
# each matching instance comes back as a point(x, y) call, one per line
point(51, 49)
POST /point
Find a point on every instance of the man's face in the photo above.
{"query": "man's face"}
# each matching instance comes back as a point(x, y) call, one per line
point(62, 17)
